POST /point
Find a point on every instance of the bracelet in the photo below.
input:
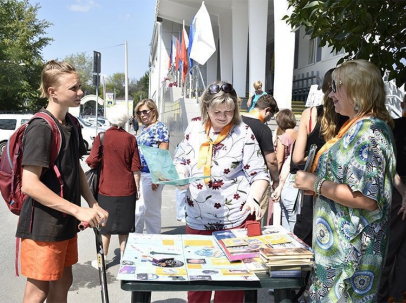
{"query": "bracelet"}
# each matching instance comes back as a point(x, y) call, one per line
point(317, 185)
point(256, 201)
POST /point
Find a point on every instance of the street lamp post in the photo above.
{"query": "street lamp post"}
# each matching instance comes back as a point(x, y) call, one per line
point(126, 81)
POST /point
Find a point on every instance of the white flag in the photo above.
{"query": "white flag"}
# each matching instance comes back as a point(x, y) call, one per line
point(203, 45)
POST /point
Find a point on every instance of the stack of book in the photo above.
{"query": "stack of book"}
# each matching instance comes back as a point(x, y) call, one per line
point(276, 251)
point(287, 262)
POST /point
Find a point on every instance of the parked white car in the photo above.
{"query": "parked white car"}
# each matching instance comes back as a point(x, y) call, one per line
point(103, 122)
point(8, 124)
point(89, 132)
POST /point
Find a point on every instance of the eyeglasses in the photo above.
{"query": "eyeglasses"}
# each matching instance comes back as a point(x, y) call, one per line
point(144, 112)
point(334, 86)
point(226, 87)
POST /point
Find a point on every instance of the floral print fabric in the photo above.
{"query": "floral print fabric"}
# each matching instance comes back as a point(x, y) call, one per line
point(151, 136)
point(236, 163)
point(349, 243)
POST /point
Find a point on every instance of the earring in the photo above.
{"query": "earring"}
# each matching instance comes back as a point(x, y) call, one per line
point(356, 106)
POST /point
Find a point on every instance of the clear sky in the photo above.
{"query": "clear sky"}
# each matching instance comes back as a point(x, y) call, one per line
point(103, 26)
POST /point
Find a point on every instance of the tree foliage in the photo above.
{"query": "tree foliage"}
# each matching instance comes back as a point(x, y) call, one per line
point(22, 38)
point(366, 29)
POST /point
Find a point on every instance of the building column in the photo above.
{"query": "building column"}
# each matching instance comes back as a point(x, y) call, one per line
point(258, 20)
point(240, 43)
point(226, 50)
point(284, 56)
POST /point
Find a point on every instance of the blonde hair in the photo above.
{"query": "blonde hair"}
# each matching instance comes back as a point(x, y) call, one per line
point(329, 120)
point(213, 100)
point(51, 73)
point(151, 105)
point(257, 84)
point(364, 86)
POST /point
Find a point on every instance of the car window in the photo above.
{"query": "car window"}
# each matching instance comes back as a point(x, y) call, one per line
point(8, 124)
point(24, 121)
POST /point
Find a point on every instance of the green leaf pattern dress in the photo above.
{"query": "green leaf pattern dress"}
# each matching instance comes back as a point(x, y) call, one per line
point(350, 244)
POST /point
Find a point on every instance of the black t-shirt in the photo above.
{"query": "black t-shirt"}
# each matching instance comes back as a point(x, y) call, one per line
point(38, 222)
point(262, 133)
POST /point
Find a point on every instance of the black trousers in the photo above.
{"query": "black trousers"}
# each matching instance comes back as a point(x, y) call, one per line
point(393, 279)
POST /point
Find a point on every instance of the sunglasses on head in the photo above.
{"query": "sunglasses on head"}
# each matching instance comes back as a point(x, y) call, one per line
point(226, 87)
point(334, 86)
point(144, 112)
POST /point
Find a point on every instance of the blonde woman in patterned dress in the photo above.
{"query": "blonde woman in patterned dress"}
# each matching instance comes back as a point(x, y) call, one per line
point(352, 181)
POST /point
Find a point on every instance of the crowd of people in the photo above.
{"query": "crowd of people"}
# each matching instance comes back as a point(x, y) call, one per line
point(349, 206)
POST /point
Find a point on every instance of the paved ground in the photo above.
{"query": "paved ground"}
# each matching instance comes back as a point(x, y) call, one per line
point(85, 286)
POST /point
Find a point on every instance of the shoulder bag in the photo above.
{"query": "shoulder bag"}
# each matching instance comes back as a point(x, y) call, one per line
point(93, 174)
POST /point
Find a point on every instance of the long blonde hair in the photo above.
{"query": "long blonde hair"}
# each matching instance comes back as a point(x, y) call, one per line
point(364, 87)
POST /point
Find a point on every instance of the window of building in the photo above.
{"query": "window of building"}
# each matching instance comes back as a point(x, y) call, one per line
point(312, 51)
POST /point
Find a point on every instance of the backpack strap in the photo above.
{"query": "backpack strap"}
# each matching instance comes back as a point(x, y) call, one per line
point(56, 144)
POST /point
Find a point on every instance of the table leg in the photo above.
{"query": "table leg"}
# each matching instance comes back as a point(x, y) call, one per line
point(250, 296)
point(140, 297)
point(283, 295)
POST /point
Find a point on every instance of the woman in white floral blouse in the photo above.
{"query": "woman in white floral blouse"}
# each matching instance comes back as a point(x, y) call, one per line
point(221, 146)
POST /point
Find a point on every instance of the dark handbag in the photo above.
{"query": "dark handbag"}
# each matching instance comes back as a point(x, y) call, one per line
point(93, 174)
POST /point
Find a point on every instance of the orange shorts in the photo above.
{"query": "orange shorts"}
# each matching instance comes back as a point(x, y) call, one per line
point(45, 261)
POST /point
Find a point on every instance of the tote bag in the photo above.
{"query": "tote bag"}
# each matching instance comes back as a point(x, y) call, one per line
point(93, 174)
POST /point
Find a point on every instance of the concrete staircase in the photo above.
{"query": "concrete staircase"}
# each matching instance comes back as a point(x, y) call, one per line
point(298, 107)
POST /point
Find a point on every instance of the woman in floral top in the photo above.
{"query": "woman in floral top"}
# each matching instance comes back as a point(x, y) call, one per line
point(219, 145)
point(155, 134)
point(352, 180)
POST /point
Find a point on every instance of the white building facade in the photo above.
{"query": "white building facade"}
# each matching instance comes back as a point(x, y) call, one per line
point(252, 43)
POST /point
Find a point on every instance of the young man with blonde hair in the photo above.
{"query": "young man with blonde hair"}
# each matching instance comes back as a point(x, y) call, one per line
point(49, 218)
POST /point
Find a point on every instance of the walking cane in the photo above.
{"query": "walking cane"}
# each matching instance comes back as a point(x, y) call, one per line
point(100, 260)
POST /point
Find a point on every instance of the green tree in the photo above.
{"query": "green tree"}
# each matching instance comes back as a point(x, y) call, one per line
point(116, 82)
point(366, 29)
point(141, 89)
point(84, 66)
point(22, 38)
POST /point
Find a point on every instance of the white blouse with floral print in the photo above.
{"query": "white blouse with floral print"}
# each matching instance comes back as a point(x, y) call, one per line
point(236, 163)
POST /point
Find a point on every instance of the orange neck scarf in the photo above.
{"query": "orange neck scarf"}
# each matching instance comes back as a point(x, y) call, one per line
point(206, 149)
point(346, 126)
point(254, 113)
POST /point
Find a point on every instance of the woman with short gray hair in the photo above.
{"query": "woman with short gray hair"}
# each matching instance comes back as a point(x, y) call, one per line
point(119, 184)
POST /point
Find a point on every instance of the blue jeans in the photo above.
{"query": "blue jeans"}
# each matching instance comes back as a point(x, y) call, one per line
point(180, 203)
point(289, 195)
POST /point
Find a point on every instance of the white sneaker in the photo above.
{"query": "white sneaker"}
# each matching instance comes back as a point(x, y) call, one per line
point(95, 264)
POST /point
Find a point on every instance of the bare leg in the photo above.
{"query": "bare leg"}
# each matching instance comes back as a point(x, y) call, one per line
point(106, 244)
point(58, 290)
point(122, 239)
point(35, 291)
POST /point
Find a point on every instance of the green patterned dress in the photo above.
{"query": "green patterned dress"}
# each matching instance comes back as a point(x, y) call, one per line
point(350, 244)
